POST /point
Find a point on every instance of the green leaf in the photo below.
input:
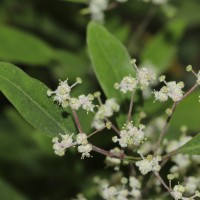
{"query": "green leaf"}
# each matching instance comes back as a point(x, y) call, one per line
point(110, 60)
point(187, 113)
point(22, 47)
point(192, 147)
point(159, 52)
point(29, 97)
point(8, 192)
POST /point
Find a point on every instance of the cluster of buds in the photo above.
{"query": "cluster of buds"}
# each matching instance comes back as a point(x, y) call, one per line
point(143, 79)
point(148, 164)
point(171, 90)
point(63, 97)
point(130, 135)
point(104, 111)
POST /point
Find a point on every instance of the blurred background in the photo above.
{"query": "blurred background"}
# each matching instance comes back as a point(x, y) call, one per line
point(47, 39)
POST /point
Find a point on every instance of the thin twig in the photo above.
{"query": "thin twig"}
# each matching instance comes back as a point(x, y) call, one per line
point(164, 130)
point(108, 153)
point(162, 181)
point(77, 121)
point(113, 126)
point(130, 108)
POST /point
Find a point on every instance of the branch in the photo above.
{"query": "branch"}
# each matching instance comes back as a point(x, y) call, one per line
point(165, 127)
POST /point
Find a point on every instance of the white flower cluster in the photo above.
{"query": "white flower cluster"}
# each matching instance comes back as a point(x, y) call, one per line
point(130, 135)
point(124, 192)
point(61, 144)
point(178, 191)
point(192, 184)
point(182, 161)
point(84, 147)
point(62, 96)
point(105, 110)
point(146, 77)
point(97, 8)
point(129, 84)
point(149, 164)
point(171, 90)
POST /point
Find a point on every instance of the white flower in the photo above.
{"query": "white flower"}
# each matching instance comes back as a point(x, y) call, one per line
point(144, 166)
point(172, 90)
point(97, 8)
point(145, 77)
point(98, 124)
point(86, 102)
point(130, 135)
point(134, 183)
point(104, 111)
point(109, 193)
point(175, 90)
point(75, 103)
point(178, 191)
point(85, 150)
point(81, 138)
point(161, 95)
point(128, 83)
point(191, 184)
point(61, 144)
point(148, 164)
point(122, 194)
point(62, 93)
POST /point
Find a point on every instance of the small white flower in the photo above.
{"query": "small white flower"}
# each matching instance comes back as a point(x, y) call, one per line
point(109, 193)
point(145, 77)
point(97, 8)
point(106, 110)
point(191, 184)
point(149, 164)
point(85, 150)
point(172, 90)
point(86, 102)
point(130, 135)
point(134, 183)
point(62, 93)
point(75, 103)
point(128, 83)
point(178, 191)
point(81, 138)
point(61, 144)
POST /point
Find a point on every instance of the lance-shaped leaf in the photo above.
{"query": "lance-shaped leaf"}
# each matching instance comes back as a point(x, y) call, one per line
point(192, 147)
point(22, 47)
point(110, 60)
point(29, 97)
